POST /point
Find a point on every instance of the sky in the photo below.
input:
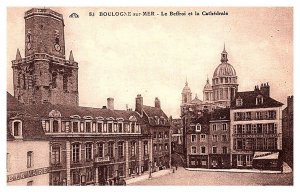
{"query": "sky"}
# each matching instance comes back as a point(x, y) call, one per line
point(121, 57)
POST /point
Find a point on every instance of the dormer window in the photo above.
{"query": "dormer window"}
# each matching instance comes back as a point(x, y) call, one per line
point(239, 102)
point(198, 127)
point(17, 128)
point(55, 126)
point(88, 126)
point(259, 100)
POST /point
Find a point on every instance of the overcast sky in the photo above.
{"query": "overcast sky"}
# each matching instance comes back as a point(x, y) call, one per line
point(121, 57)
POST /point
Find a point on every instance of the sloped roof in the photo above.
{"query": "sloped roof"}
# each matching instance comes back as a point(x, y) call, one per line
point(220, 114)
point(196, 100)
point(12, 103)
point(249, 100)
point(66, 111)
point(152, 113)
point(31, 126)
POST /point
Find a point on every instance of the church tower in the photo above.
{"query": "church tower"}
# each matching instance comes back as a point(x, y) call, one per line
point(224, 82)
point(44, 75)
point(186, 94)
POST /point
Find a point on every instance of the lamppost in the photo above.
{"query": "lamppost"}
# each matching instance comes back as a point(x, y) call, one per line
point(150, 169)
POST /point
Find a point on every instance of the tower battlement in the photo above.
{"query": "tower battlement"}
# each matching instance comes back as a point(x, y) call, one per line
point(43, 11)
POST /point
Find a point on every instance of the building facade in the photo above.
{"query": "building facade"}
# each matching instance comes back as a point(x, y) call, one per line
point(208, 140)
point(219, 139)
point(75, 145)
point(256, 129)
point(27, 156)
point(197, 141)
point(158, 126)
point(288, 132)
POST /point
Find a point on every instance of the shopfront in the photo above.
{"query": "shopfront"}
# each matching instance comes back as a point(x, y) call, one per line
point(198, 161)
point(267, 160)
point(219, 161)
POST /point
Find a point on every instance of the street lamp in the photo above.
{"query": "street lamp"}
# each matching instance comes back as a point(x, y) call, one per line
point(150, 169)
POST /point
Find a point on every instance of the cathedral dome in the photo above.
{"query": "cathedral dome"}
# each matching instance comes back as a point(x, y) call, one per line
point(224, 69)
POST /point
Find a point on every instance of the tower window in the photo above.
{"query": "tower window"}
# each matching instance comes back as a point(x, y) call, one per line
point(65, 83)
point(54, 77)
point(24, 81)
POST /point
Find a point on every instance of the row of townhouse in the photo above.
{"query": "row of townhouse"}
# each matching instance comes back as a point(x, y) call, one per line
point(246, 135)
point(71, 145)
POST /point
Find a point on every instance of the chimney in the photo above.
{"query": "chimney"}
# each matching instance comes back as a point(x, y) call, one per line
point(157, 103)
point(110, 103)
point(256, 88)
point(103, 107)
point(290, 101)
point(139, 104)
point(265, 89)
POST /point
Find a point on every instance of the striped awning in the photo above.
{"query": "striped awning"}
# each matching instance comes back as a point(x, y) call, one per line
point(266, 155)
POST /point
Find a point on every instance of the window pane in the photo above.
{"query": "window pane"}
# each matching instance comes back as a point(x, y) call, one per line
point(55, 126)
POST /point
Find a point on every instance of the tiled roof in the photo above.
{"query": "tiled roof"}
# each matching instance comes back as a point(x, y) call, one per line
point(203, 120)
point(31, 126)
point(220, 114)
point(43, 110)
point(152, 113)
point(249, 100)
point(12, 103)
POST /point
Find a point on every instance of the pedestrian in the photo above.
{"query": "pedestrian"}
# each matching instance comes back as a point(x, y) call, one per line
point(176, 166)
point(110, 182)
point(124, 182)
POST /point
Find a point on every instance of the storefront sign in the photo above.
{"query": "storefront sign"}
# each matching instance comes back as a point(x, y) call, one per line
point(26, 174)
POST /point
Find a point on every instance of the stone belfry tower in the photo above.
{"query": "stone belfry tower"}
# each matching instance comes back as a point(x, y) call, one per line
point(44, 75)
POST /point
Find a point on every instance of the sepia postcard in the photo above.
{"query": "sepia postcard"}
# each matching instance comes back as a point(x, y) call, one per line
point(149, 96)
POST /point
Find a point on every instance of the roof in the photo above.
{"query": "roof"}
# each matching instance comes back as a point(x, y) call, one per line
point(12, 103)
point(153, 113)
point(224, 70)
point(249, 100)
point(31, 126)
point(196, 100)
point(220, 114)
point(43, 110)
point(203, 120)
point(207, 86)
point(186, 88)
point(32, 115)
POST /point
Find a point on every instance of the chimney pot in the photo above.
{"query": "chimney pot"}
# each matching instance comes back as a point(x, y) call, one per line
point(139, 104)
point(110, 103)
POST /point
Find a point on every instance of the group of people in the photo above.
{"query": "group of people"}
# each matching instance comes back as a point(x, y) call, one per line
point(115, 181)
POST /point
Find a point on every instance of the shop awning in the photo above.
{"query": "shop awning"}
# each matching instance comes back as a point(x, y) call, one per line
point(266, 155)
